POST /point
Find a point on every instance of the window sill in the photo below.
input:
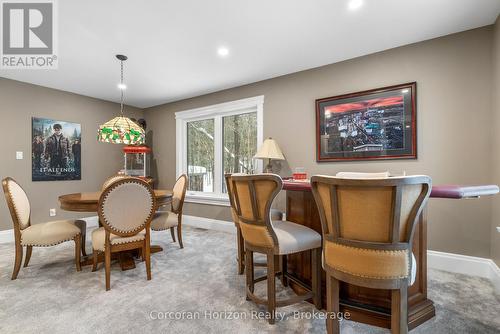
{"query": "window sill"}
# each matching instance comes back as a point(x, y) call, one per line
point(209, 199)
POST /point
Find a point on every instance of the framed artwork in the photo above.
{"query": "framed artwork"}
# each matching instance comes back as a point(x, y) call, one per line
point(370, 125)
point(55, 150)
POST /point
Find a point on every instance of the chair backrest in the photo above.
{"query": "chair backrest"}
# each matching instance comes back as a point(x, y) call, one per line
point(126, 206)
point(18, 203)
point(356, 175)
point(253, 197)
point(112, 179)
point(179, 193)
point(364, 213)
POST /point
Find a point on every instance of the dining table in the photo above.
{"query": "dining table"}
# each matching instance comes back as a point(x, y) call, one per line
point(89, 202)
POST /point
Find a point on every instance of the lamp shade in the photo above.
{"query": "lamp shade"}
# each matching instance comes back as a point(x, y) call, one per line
point(121, 130)
point(269, 150)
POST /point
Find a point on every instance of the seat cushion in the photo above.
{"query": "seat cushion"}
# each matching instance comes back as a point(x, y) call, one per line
point(294, 238)
point(49, 234)
point(163, 220)
point(367, 263)
point(99, 234)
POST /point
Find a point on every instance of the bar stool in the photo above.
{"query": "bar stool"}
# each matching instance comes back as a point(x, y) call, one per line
point(253, 197)
point(368, 230)
point(276, 215)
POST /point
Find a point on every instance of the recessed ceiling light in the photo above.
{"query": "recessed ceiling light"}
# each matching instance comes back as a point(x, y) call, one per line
point(223, 51)
point(355, 4)
point(122, 86)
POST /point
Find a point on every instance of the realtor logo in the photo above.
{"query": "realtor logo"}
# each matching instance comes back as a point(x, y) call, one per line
point(28, 34)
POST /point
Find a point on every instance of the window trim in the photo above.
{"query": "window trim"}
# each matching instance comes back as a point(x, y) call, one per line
point(216, 112)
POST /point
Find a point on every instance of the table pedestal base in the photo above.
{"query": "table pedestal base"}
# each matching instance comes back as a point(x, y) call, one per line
point(126, 258)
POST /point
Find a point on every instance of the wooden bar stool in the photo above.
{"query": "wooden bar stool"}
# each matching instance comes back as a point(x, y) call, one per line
point(253, 197)
point(368, 230)
point(276, 215)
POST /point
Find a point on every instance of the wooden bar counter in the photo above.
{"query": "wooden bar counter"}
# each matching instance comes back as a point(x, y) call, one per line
point(371, 306)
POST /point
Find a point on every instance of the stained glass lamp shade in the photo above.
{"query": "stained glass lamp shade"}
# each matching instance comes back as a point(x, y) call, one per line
point(121, 129)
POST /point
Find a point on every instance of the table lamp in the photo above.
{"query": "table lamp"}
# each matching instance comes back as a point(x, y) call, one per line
point(269, 150)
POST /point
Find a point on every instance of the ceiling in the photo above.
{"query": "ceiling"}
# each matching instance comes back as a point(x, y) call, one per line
point(172, 45)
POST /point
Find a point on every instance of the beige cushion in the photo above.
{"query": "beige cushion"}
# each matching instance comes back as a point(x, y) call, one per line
point(127, 207)
point(293, 238)
point(21, 204)
point(355, 175)
point(178, 192)
point(49, 234)
point(99, 234)
point(163, 220)
point(368, 263)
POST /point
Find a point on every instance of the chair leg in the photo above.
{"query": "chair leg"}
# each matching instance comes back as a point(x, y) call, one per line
point(332, 307)
point(241, 251)
point(78, 249)
point(147, 258)
point(17, 261)
point(399, 315)
point(107, 265)
point(179, 234)
point(249, 270)
point(27, 258)
point(271, 288)
point(172, 233)
point(316, 276)
point(94, 259)
point(84, 252)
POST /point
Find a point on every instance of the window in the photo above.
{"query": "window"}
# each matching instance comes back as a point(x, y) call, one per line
point(215, 140)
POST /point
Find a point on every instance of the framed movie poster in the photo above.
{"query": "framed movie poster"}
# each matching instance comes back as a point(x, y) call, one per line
point(374, 124)
point(55, 150)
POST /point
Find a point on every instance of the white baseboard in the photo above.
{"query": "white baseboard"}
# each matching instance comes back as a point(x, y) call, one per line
point(209, 224)
point(467, 265)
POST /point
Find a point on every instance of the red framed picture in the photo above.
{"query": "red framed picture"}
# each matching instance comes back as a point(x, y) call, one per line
point(370, 125)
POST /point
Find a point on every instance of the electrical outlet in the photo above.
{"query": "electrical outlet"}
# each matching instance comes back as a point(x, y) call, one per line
point(52, 212)
point(19, 155)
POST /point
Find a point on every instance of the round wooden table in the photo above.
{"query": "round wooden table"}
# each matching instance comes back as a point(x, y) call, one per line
point(89, 202)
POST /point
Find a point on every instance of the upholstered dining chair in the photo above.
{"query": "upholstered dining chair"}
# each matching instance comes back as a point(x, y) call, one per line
point(368, 227)
point(112, 179)
point(125, 210)
point(164, 220)
point(37, 235)
point(276, 215)
point(253, 196)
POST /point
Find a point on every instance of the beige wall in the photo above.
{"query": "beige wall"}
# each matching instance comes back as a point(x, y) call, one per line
point(453, 76)
point(495, 236)
point(18, 103)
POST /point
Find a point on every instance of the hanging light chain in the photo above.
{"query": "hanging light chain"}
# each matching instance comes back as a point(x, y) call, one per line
point(121, 88)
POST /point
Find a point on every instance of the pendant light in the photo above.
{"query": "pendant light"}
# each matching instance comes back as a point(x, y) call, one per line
point(121, 129)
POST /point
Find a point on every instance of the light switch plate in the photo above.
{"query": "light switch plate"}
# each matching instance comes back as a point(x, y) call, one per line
point(52, 212)
point(498, 229)
point(19, 155)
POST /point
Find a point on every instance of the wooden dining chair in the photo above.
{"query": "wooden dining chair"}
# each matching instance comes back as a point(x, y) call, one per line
point(37, 235)
point(112, 179)
point(368, 228)
point(170, 219)
point(276, 215)
point(125, 210)
point(253, 196)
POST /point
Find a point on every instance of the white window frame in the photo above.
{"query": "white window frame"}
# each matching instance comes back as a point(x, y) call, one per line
point(215, 112)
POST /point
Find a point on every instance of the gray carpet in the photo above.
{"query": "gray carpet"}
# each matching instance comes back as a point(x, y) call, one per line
point(51, 297)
